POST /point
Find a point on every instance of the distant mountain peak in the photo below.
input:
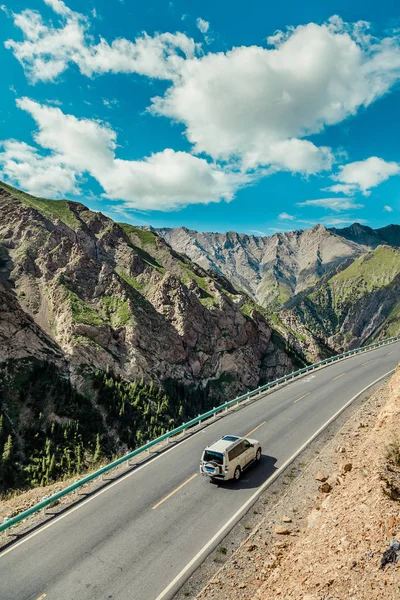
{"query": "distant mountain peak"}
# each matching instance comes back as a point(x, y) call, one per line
point(275, 268)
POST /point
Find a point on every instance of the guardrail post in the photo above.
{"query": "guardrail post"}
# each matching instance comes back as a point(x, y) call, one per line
point(44, 508)
point(7, 530)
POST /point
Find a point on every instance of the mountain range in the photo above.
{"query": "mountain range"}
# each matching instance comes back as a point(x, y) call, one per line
point(110, 334)
point(275, 268)
point(108, 337)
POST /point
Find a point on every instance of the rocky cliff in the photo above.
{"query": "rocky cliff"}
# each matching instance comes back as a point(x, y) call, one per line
point(111, 295)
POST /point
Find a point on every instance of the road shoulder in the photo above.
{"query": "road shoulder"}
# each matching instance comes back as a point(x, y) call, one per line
point(253, 555)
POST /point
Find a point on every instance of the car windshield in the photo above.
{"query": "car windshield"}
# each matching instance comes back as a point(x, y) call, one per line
point(215, 456)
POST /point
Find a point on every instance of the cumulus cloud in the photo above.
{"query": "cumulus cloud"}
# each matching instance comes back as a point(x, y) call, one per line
point(250, 108)
point(48, 50)
point(284, 216)
point(335, 204)
point(363, 175)
point(163, 181)
point(387, 208)
point(258, 104)
point(41, 175)
point(202, 25)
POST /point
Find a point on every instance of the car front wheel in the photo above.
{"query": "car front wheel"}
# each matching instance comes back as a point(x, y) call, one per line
point(258, 455)
point(237, 474)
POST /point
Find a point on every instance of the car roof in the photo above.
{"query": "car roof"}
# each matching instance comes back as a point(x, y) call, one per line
point(224, 443)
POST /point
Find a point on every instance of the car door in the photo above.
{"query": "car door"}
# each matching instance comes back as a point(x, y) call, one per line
point(248, 454)
point(240, 458)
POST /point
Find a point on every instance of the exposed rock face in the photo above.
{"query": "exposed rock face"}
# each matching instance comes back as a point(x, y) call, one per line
point(112, 295)
point(270, 269)
point(317, 274)
point(20, 336)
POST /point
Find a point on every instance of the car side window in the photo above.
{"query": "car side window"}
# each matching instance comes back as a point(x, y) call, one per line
point(246, 444)
point(234, 453)
point(240, 448)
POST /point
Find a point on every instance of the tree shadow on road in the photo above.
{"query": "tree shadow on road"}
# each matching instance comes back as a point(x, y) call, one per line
point(254, 476)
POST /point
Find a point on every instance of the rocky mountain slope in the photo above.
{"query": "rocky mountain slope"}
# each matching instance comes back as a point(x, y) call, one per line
point(358, 304)
point(109, 337)
point(371, 238)
point(112, 295)
point(275, 268)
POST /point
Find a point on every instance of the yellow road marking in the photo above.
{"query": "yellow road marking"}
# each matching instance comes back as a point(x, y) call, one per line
point(389, 353)
point(337, 376)
point(42, 596)
point(305, 395)
point(175, 490)
point(368, 361)
point(255, 428)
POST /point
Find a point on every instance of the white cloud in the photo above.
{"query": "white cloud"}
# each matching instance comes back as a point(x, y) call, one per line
point(48, 50)
point(387, 208)
point(202, 25)
point(337, 221)
point(163, 181)
point(363, 175)
point(332, 221)
point(41, 175)
point(286, 217)
point(257, 104)
point(335, 204)
point(251, 107)
point(113, 102)
point(341, 188)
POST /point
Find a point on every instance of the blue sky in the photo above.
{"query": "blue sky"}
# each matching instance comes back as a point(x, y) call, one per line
point(219, 116)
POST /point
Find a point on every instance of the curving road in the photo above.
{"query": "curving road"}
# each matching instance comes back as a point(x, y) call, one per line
point(141, 536)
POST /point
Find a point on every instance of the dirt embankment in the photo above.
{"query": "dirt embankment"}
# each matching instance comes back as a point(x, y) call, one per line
point(325, 540)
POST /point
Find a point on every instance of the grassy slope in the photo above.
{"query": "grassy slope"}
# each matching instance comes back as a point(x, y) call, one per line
point(372, 272)
point(59, 209)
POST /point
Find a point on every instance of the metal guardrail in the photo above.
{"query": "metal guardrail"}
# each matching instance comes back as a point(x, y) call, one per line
point(9, 522)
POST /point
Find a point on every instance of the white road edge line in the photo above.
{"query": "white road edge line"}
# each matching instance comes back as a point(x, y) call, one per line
point(95, 495)
point(149, 462)
point(178, 581)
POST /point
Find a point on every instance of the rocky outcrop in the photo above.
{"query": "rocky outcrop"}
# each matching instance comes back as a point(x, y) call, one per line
point(105, 295)
point(21, 337)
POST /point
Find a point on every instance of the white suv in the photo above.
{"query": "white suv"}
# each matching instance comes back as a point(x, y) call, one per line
point(229, 457)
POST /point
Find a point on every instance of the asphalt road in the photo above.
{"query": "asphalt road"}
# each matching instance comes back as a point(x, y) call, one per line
point(134, 538)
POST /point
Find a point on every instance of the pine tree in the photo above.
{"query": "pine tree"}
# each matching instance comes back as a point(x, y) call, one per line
point(7, 451)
